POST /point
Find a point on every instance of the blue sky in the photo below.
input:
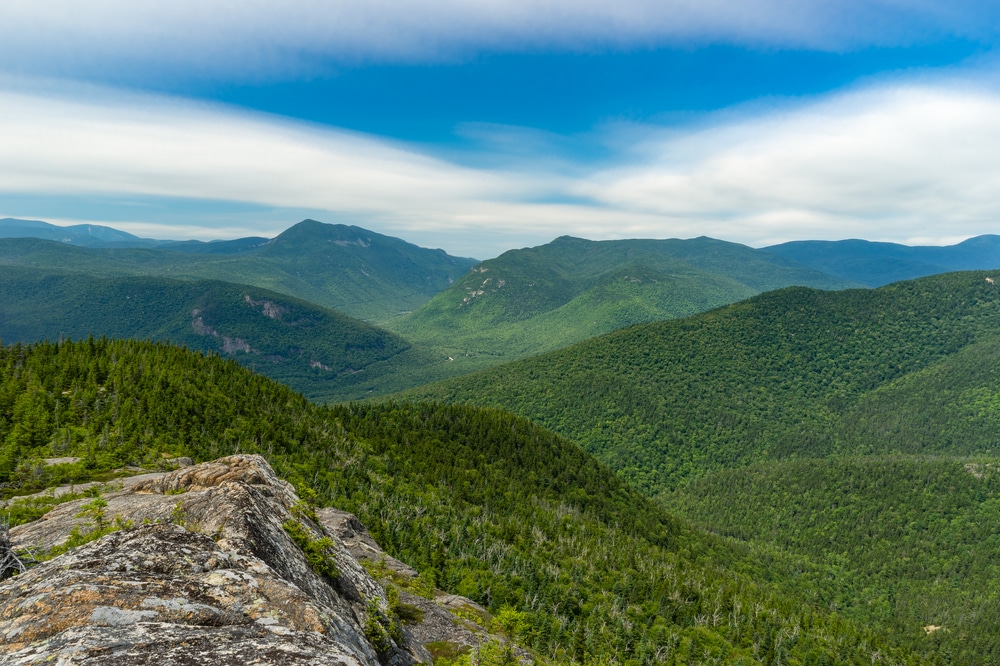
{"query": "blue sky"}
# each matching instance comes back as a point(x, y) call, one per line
point(482, 126)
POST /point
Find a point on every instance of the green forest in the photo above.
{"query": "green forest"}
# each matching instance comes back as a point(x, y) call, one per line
point(801, 477)
point(856, 430)
point(767, 378)
point(481, 502)
point(915, 538)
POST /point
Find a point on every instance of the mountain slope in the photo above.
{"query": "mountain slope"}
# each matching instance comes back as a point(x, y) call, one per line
point(482, 503)
point(361, 266)
point(359, 272)
point(756, 380)
point(84, 235)
point(308, 347)
point(876, 264)
point(537, 299)
point(951, 407)
point(854, 429)
point(917, 534)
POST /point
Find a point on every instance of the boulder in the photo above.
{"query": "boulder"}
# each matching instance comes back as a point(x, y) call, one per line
point(205, 574)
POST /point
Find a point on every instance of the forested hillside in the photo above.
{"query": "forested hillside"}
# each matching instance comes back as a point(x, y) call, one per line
point(855, 429)
point(915, 537)
point(359, 272)
point(309, 347)
point(537, 299)
point(481, 502)
point(762, 379)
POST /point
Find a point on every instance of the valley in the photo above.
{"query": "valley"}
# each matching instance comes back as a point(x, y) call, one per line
point(628, 443)
point(481, 503)
point(854, 429)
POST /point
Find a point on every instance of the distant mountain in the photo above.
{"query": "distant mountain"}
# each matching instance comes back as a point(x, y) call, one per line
point(217, 246)
point(361, 273)
point(765, 378)
point(363, 266)
point(84, 235)
point(309, 347)
point(533, 300)
point(877, 264)
point(856, 429)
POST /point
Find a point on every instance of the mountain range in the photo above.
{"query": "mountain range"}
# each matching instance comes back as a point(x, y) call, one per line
point(548, 297)
point(854, 428)
point(877, 264)
point(566, 560)
point(455, 315)
point(363, 274)
point(85, 235)
point(626, 445)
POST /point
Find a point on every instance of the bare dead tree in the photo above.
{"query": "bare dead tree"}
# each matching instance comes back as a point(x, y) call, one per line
point(10, 563)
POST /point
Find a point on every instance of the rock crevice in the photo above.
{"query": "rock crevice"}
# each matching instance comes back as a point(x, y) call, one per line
point(205, 574)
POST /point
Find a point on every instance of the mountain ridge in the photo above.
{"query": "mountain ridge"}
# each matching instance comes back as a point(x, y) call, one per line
point(85, 235)
point(876, 264)
point(371, 283)
point(533, 300)
point(307, 346)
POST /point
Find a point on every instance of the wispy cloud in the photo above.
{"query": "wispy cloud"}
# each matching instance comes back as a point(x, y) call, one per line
point(262, 38)
point(163, 146)
point(904, 162)
point(896, 162)
point(113, 144)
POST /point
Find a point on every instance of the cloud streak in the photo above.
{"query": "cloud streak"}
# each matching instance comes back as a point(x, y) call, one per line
point(917, 162)
point(903, 163)
point(258, 38)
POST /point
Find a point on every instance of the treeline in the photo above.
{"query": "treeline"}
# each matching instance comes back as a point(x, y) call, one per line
point(311, 348)
point(481, 502)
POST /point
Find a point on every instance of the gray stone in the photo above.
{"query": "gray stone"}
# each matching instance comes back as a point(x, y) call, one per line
point(206, 575)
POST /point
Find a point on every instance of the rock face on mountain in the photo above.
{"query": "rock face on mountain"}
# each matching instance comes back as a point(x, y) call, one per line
point(444, 620)
point(207, 573)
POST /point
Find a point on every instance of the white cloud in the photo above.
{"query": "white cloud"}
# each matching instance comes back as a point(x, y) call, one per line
point(265, 38)
point(120, 145)
point(160, 146)
point(916, 163)
point(898, 163)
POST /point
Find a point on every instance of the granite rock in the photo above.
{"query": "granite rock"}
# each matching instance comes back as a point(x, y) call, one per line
point(206, 574)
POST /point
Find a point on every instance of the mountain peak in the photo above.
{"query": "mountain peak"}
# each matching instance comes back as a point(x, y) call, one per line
point(92, 235)
point(312, 230)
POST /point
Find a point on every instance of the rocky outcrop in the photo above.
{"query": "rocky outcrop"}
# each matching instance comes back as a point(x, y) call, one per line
point(206, 574)
point(358, 542)
point(445, 620)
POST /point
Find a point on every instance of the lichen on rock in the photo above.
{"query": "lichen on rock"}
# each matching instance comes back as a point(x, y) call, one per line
point(207, 576)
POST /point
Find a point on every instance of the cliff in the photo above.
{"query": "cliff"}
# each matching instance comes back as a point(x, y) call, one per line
point(217, 563)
